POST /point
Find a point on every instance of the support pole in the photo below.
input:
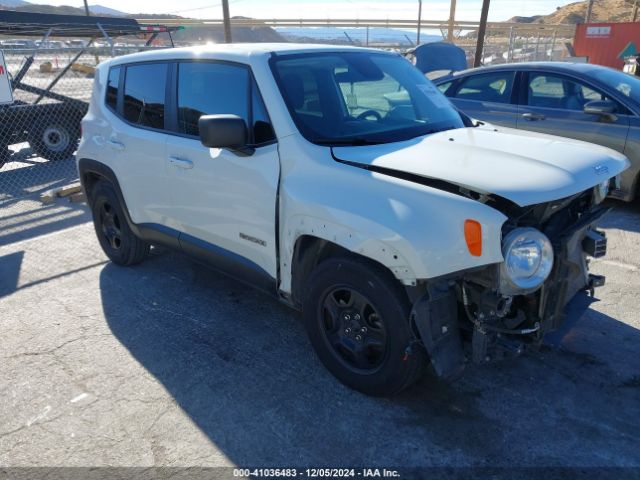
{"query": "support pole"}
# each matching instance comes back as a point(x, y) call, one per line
point(553, 44)
point(419, 21)
point(634, 16)
point(511, 45)
point(482, 29)
point(227, 21)
point(452, 19)
point(108, 39)
point(86, 9)
point(587, 19)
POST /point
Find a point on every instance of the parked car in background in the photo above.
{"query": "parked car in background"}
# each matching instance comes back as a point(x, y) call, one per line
point(21, 44)
point(77, 43)
point(50, 44)
point(581, 101)
point(341, 181)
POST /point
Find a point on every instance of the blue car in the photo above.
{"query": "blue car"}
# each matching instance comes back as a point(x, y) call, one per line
point(581, 101)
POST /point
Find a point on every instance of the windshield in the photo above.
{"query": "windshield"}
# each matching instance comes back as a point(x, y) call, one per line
point(623, 82)
point(357, 98)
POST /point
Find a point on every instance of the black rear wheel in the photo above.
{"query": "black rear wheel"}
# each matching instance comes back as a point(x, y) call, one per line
point(357, 318)
point(117, 240)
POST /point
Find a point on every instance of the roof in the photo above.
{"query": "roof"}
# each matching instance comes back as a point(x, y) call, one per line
point(32, 24)
point(236, 51)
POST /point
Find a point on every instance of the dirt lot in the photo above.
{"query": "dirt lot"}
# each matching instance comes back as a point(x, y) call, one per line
point(169, 364)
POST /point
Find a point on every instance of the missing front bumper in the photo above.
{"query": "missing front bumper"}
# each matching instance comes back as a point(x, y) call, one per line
point(571, 272)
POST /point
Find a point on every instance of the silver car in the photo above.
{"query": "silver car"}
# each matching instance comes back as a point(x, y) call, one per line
point(582, 101)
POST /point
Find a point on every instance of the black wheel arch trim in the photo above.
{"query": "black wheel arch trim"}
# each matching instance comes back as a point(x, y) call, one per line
point(86, 167)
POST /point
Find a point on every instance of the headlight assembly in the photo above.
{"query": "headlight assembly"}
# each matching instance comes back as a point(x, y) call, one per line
point(528, 260)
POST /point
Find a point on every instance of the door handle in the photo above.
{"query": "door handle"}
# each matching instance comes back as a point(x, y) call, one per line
point(533, 117)
point(181, 162)
point(116, 145)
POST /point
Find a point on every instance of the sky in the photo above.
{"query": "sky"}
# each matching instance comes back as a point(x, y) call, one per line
point(371, 9)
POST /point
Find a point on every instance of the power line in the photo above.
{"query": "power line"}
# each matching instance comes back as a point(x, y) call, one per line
point(208, 7)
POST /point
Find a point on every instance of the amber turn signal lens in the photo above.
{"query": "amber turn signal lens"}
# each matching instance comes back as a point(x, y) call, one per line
point(473, 237)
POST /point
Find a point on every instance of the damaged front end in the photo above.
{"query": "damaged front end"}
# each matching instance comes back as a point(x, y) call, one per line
point(505, 307)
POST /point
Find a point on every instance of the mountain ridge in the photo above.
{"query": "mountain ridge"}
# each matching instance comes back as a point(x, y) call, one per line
point(573, 13)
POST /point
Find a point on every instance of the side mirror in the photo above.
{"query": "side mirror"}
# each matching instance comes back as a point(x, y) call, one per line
point(224, 131)
point(602, 108)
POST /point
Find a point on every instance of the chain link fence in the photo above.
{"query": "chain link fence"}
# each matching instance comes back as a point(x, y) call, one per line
point(52, 81)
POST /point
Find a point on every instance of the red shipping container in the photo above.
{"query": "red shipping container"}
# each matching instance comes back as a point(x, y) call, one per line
point(603, 43)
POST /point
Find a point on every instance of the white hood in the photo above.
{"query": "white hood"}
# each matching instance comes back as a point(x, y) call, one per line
point(524, 167)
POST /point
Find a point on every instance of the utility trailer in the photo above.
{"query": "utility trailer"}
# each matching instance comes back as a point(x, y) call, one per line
point(50, 121)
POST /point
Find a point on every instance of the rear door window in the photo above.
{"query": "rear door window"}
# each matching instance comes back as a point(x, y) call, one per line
point(489, 87)
point(144, 94)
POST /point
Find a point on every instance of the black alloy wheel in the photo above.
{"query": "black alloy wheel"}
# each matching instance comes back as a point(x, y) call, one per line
point(353, 329)
point(110, 225)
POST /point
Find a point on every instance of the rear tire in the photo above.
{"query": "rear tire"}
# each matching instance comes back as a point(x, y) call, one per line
point(357, 318)
point(54, 139)
point(117, 240)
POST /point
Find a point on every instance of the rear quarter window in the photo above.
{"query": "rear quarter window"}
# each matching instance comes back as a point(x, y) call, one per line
point(113, 80)
point(444, 87)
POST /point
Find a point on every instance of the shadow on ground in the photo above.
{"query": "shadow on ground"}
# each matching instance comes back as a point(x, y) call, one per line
point(240, 366)
point(624, 216)
point(22, 215)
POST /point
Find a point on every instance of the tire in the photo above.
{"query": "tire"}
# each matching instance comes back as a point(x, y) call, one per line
point(54, 139)
point(117, 240)
point(363, 346)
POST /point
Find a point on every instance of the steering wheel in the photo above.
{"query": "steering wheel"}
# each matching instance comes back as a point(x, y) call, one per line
point(369, 113)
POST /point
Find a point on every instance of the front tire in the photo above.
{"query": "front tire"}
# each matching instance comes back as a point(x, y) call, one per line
point(357, 318)
point(117, 240)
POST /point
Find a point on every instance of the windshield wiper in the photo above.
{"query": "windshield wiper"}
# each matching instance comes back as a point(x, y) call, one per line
point(437, 130)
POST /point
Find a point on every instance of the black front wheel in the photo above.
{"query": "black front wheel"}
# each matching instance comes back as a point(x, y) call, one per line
point(117, 240)
point(357, 318)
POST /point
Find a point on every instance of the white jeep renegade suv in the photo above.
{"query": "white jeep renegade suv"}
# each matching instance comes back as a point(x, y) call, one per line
point(341, 181)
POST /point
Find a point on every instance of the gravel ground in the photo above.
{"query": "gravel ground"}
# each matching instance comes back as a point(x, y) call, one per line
point(170, 364)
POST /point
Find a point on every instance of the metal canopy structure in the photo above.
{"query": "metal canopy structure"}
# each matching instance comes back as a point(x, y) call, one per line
point(36, 24)
point(460, 25)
